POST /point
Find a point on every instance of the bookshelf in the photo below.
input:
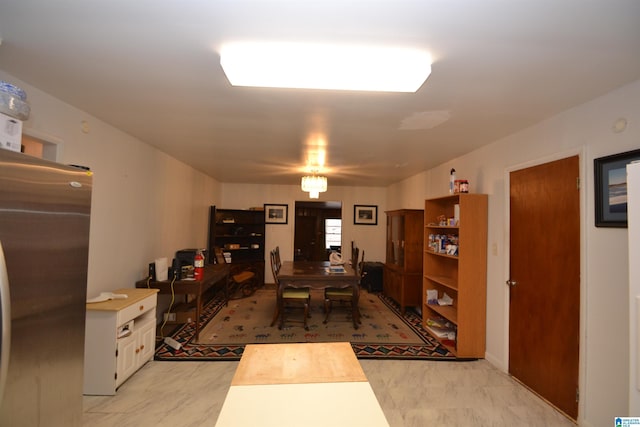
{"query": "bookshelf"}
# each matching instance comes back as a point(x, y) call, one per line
point(455, 266)
point(240, 234)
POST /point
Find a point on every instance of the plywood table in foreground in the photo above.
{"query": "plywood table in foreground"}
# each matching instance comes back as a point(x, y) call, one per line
point(310, 384)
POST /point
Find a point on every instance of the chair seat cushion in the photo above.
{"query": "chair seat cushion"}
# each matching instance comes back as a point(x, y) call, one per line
point(338, 292)
point(244, 276)
point(295, 293)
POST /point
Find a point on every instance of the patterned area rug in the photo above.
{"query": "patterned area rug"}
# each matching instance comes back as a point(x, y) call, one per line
point(384, 332)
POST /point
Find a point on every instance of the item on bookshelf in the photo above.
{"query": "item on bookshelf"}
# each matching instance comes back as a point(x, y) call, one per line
point(443, 244)
point(452, 181)
point(441, 328)
point(445, 300)
point(461, 186)
point(432, 296)
point(438, 322)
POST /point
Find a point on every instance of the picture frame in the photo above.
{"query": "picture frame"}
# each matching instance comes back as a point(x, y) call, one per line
point(276, 214)
point(610, 186)
point(365, 214)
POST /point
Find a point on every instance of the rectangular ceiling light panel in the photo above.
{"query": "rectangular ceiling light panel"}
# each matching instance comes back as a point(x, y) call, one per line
point(315, 66)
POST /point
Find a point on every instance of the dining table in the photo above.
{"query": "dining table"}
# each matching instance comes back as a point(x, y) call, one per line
point(318, 275)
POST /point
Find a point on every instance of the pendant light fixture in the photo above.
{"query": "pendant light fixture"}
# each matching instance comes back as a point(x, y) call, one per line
point(314, 185)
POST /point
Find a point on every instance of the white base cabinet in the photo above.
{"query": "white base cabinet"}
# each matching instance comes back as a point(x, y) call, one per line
point(119, 339)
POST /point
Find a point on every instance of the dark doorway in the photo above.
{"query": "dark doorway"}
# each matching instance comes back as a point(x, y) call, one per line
point(310, 219)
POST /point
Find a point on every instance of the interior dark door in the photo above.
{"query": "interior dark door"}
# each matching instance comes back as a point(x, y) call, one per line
point(305, 238)
point(309, 241)
point(544, 309)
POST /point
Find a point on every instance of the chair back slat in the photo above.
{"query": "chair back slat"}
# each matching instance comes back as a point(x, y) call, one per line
point(360, 267)
point(274, 266)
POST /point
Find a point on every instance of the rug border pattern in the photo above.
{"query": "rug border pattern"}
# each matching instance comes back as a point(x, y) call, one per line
point(431, 350)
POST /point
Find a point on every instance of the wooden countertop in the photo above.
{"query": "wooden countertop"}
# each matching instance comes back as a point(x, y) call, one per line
point(297, 364)
point(134, 295)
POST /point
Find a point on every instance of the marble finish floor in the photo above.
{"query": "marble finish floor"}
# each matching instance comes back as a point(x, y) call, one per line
point(411, 393)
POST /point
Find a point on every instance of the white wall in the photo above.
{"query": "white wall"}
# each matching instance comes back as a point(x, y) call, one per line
point(145, 204)
point(585, 130)
point(367, 237)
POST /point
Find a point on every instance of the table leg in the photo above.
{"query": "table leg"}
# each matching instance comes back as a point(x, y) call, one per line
point(280, 305)
point(198, 312)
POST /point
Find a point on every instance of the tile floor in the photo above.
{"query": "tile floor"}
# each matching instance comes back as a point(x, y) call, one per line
point(411, 393)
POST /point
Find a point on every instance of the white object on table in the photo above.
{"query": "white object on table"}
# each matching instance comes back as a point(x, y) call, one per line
point(106, 296)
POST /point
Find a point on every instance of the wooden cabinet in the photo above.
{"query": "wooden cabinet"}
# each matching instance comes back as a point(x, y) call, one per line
point(240, 234)
point(119, 338)
point(455, 264)
point(403, 262)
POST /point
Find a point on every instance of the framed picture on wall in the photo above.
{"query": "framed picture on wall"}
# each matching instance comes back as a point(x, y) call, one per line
point(611, 188)
point(365, 214)
point(276, 214)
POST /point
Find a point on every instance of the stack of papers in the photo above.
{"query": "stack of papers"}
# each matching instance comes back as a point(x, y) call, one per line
point(441, 328)
point(336, 269)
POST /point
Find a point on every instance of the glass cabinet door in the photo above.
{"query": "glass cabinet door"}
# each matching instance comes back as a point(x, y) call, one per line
point(395, 240)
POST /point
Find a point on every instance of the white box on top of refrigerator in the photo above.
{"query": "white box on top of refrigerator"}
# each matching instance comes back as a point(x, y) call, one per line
point(10, 133)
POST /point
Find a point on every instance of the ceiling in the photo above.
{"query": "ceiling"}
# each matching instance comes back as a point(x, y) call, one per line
point(151, 69)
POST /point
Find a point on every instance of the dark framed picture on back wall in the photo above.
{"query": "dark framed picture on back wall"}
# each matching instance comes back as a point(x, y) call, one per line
point(276, 214)
point(610, 185)
point(365, 214)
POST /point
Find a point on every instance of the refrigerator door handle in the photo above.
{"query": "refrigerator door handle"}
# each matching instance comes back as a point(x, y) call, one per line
point(5, 322)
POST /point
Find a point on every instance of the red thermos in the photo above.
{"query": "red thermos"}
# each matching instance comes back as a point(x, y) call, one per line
point(198, 265)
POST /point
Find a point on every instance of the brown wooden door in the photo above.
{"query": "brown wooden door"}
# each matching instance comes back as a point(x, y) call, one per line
point(544, 310)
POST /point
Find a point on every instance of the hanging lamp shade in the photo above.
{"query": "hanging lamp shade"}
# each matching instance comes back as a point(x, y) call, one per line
point(314, 185)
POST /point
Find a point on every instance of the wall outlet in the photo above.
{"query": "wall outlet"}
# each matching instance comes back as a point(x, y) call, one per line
point(169, 317)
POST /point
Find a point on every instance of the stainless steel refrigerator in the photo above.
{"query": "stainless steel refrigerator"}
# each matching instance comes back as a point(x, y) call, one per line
point(44, 236)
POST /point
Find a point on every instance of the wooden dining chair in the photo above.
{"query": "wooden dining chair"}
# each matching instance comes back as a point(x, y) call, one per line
point(290, 296)
point(278, 260)
point(344, 294)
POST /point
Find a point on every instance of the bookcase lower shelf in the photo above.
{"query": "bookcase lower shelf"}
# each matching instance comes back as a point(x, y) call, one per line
point(448, 313)
point(446, 342)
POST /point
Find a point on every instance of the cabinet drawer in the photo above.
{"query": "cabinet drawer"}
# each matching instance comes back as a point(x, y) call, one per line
point(136, 309)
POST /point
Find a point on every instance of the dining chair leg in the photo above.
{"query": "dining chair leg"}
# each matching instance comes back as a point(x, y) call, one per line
point(275, 316)
point(327, 309)
point(355, 316)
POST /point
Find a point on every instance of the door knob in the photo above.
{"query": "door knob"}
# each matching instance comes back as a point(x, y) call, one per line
point(511, 282)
